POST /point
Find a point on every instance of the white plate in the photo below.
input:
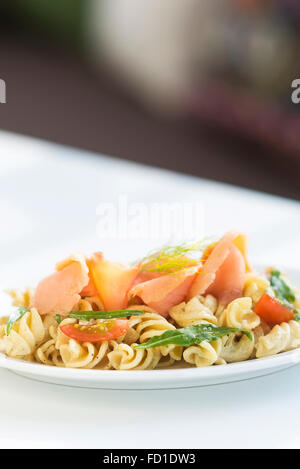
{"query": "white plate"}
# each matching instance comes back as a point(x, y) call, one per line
point(152, 379)
point(156, 379)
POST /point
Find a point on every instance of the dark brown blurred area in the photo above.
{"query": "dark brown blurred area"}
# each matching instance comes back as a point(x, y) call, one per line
point(54, 94)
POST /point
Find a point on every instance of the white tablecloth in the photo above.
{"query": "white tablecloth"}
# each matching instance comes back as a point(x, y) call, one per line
point(49, 196)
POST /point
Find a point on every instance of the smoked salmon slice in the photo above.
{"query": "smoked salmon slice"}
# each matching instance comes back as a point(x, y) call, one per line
point(112, 280)
point(164, 292)
point(59, 293)
point(223, 273)
point(90, 289)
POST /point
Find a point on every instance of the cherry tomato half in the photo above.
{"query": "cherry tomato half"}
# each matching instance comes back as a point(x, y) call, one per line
point(272, 311)
point(101, 332)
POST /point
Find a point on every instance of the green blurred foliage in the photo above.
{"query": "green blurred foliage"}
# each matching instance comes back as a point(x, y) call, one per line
point(58, 20)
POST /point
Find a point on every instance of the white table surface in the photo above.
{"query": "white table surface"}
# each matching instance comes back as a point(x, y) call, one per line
point(48, 200)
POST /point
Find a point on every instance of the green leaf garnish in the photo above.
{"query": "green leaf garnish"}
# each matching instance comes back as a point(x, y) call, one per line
point(191, 335)
point(282, 291)
point(14, 317)
point(58, 318)
point(280, 287)
point(170, 259)
point(87, 315)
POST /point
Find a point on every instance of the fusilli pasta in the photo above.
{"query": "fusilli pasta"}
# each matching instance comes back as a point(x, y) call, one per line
point(25, 335)
point(196, 311)
point(204, 354)
point(21, 298)
point(236, 348)
point(239, 314)
point(150, 325)
point(48, 354)
point(281, 338)
point(3, 320)
point(89, 303)
point(255, 286)
point(126, 357)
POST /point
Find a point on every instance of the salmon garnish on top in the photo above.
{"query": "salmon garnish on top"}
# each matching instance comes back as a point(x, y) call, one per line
point(223, 272)
point(112, 280)
point(164, 292)
point(59, 293)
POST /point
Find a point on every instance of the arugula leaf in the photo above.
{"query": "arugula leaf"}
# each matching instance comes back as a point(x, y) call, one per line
point(14, 317)
point(87, 315)
point(283, 292)
point(58, 318)
point(288, 305)
point(191, 335)
point(280, 287)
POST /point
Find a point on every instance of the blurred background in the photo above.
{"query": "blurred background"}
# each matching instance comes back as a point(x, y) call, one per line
point(197, 86)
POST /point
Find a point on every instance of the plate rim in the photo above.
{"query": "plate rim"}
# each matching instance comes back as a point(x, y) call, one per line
point(230, 370)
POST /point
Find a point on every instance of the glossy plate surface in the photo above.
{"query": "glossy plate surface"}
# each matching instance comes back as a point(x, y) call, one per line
point(152, 379)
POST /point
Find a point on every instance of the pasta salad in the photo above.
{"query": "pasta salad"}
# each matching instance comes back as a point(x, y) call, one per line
point(196, 304)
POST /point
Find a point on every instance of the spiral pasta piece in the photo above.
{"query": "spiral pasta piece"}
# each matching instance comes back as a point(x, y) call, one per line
point(133, 335)
point(126, 357)
point(198, 310)
point(84, 355)
point(21, 298)
point(165, 362)
point(25, 335)
point(281, 338)
point(89, 303)
point(255, 286)
point(50, 327)
point(237, 348)
point(261, 330)
point(2, 335)
point(210, 302)
point(150, 325)
point(239, 314)
point(204, 354)
point(174, 351)
point(48, 354)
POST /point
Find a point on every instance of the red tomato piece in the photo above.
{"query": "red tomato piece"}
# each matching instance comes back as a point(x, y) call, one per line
point(272, 311)
point(101, 332)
